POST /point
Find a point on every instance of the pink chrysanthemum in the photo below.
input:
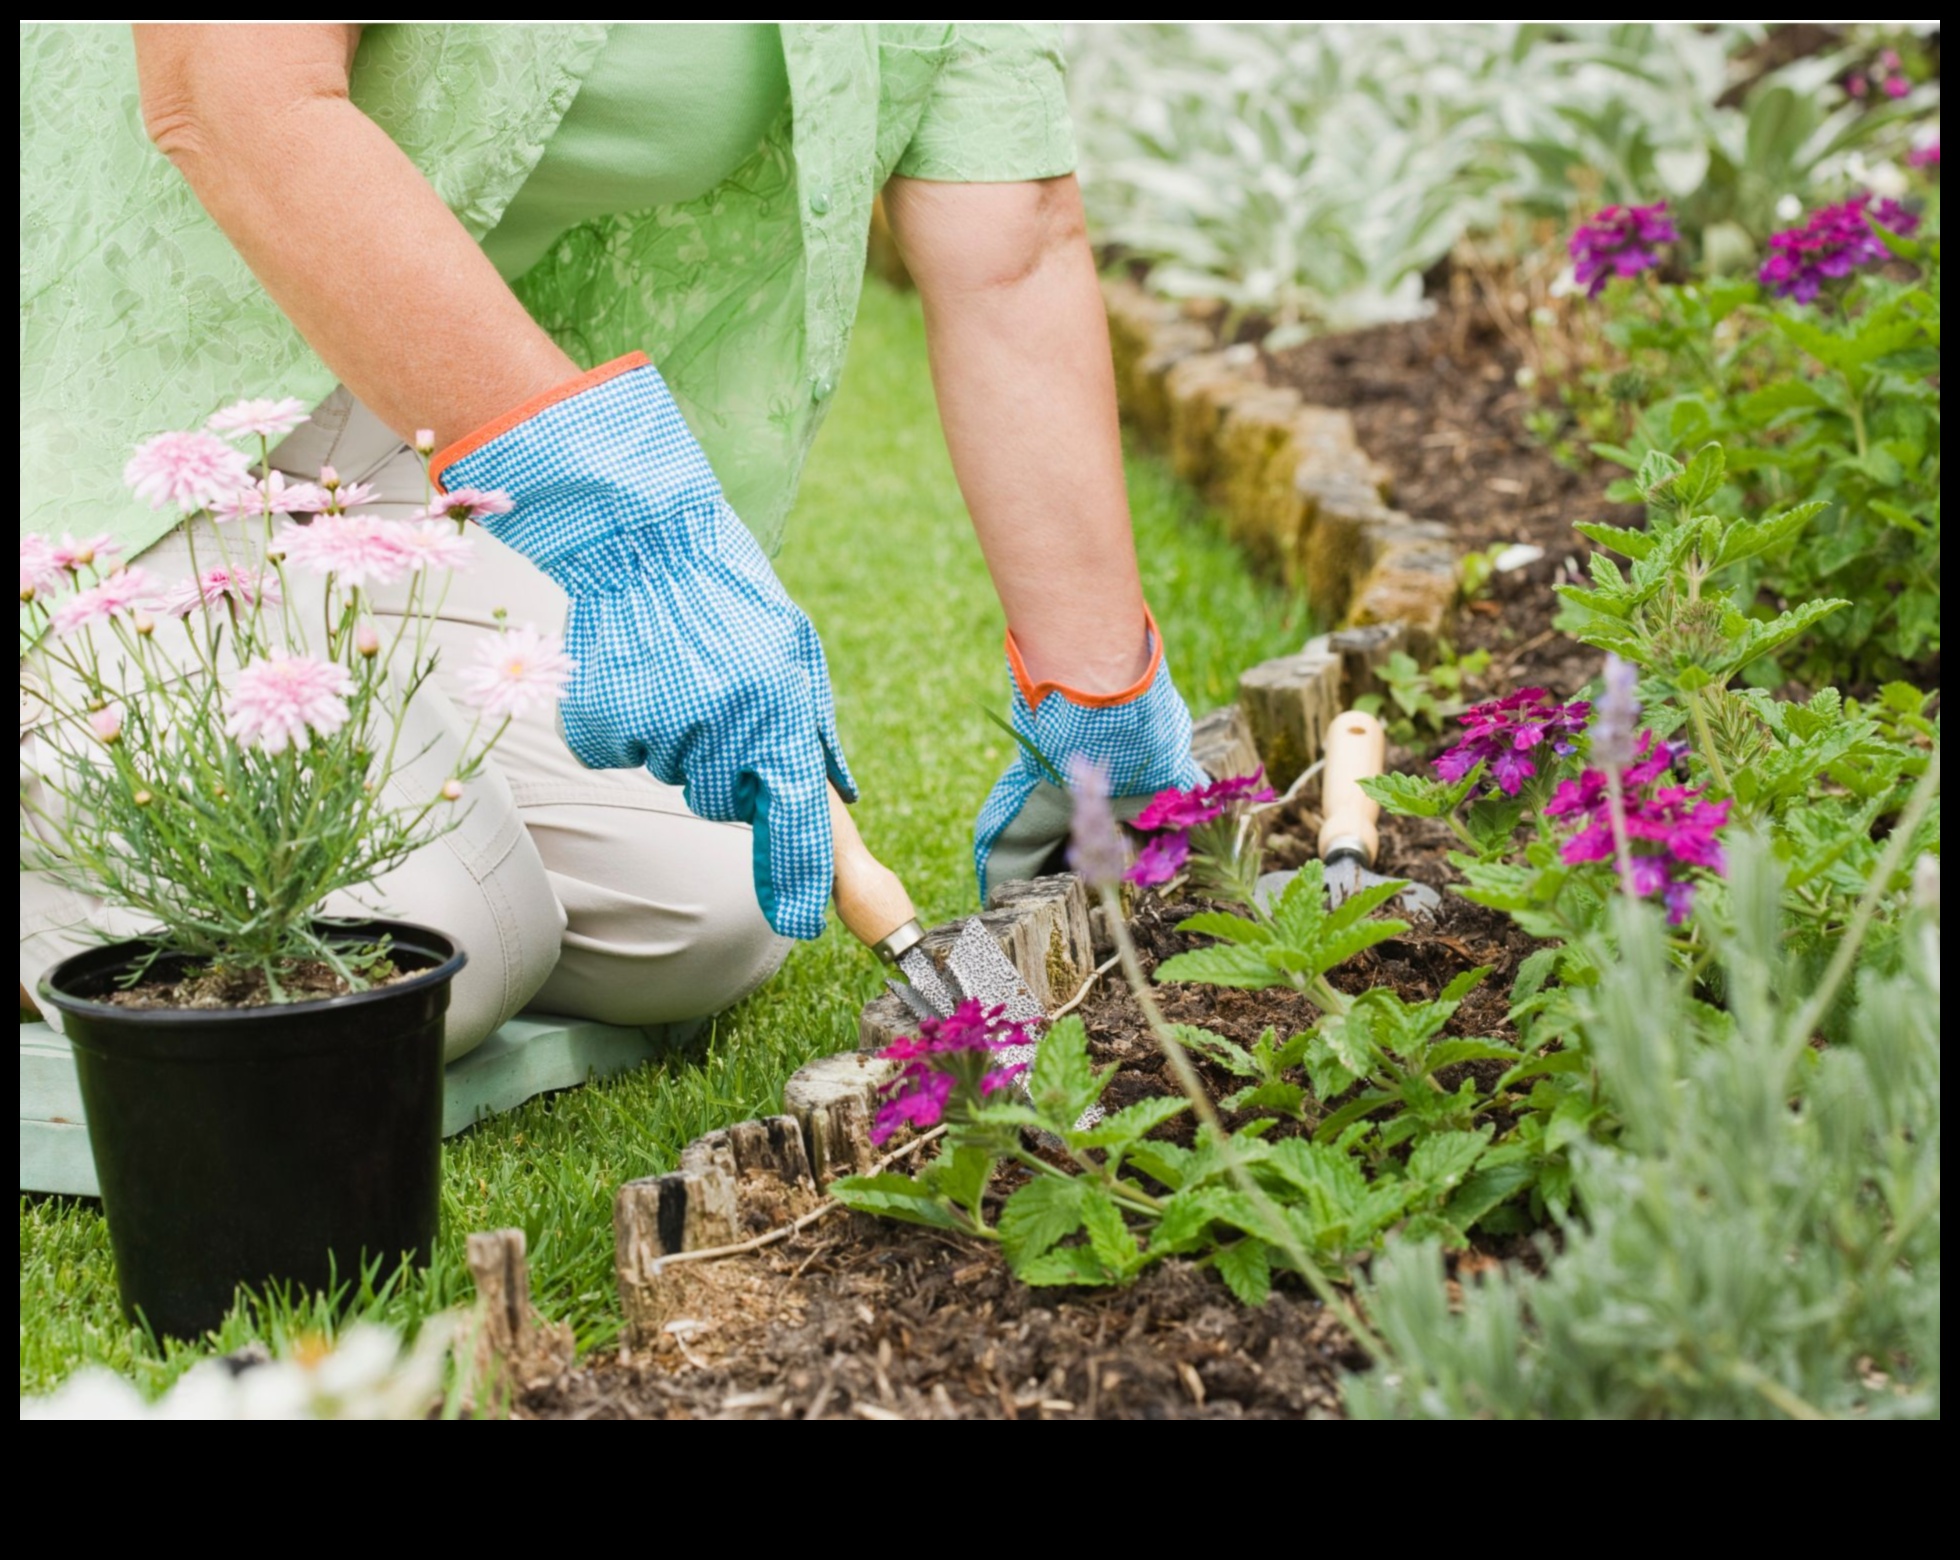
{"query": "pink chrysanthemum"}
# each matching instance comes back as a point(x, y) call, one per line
point(39, 572)
point(519, 668)
point(357, 549)
point(274, 493)
point(262, 418)
point(189, 470)
point(435, 544)
point(343, 496)
point(121, 592)
point(96, 552)
point(285, 701)
point(469, 504)
point(222, 586)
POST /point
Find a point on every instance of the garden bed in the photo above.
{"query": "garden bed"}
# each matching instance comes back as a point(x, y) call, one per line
point(858, 1317)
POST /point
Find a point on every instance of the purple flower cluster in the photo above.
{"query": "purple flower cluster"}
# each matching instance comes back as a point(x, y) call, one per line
point(1836, 241)
point(1926, 158)
point(951, 1058)
point(1172, 815)
point(1503, 734)
point(1887, 74)
point(1620, 241)
point(1670, 828)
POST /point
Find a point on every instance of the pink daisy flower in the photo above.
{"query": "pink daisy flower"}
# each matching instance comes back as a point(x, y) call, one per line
point(359, 549)
point(274, 493)
point(97, 552)
point(285, 701)
point(435, 544)
point(214, 586)
point(120, 592)
point(262, 418)
point(190, 470)
point(469, 504)
point(519, 668)
point(343, 496)
point(39, 572)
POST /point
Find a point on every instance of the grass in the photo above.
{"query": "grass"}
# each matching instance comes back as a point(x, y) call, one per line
point(881, 556)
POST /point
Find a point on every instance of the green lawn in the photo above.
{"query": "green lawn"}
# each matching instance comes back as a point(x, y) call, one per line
point(881, 556)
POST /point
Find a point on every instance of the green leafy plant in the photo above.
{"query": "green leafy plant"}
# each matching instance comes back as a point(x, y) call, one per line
point(1420, 702)
point(1762, 1237)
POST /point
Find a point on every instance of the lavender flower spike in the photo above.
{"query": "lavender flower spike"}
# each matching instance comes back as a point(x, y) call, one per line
point(1617, 715)
point(1096, 850)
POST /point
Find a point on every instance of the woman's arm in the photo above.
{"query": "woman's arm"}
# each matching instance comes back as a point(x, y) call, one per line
point(339, 226)
point(1020, 361)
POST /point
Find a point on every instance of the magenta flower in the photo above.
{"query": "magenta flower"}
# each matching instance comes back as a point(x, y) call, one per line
point(1672, 829)
point(1620, 241)
point(1834, 242)
point(469, 504)
point(1926, 157)
point(276, 494)
point(1160, 860)
point(953, 1060)
point(521, 667)
point(96, 552)
point(285, 701)
point(39, 572)
point(1504, 735)
point(189, 470)
point(1201, 804)
point(1096, 852)
point(219, 586)
point(123, 591)
point(263, 418)
point(356, 549)
point(434, 544)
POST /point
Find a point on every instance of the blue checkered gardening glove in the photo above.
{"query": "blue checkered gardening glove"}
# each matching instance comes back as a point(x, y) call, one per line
point(691, 658)
point(1141, 737)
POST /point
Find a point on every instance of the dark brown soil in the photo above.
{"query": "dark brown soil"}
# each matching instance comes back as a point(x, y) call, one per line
point(221, 987)
point(861, 1319)
point(1437, 402)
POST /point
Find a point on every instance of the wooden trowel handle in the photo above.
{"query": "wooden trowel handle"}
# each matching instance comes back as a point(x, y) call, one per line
point(1357, 748)
point(870, 898)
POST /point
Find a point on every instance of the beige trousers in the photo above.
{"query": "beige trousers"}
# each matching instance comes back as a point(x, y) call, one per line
point(588, 893)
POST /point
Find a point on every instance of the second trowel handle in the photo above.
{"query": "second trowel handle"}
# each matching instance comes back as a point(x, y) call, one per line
point(1357, 749)
point(871, 900)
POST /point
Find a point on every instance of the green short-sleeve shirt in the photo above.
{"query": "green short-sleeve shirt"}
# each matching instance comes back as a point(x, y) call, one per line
point(137, 316)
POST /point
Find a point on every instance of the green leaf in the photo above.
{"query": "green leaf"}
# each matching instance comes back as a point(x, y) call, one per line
point(1228, 1054)
point(1223, 924)
point(1703, 478)
point(1109, 1237)
point(1062, 1084)
point(1124, 1127)
point(1415, 796)
point(1483, 1189)
point(1464, 984)
point(1745, 539)
point(962, 1173)
point(1247, 969)
point(1063, 1266)
point(1350, 1041)
point(1447, 1053)
point(1354, 1110)
point(1275, 1094)
point(1048, 1209)
point(894, 1197)
point(1185, 1222)
point(1166, 1162)
point(1443, 1159)
point(1247, 1271)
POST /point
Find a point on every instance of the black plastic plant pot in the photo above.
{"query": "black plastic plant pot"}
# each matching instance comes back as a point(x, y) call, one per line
point(281, 1144)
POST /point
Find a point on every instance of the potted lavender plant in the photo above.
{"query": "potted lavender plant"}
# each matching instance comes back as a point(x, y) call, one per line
point(263, 1083)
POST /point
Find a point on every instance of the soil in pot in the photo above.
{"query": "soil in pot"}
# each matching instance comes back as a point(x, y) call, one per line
point(272, 1144)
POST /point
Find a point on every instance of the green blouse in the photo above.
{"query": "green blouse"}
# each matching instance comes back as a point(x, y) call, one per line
point(137, 316)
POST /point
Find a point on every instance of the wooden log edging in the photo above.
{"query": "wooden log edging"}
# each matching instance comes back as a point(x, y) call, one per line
point(1290, 480)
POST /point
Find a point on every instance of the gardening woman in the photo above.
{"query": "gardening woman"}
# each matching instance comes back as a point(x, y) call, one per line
point(611, 272)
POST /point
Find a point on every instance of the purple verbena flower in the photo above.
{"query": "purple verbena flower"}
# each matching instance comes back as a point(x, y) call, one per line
point(1926, 158)
point(1833, 242)
point(1160, 860)
point(951, 1061)
point(1503, 734)
point(1672, 830)
point(1619, 241)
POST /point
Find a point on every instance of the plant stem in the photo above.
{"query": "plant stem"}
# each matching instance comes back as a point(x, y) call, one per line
point(1616, 807)
point(1700, 718)
point(1194, 1091)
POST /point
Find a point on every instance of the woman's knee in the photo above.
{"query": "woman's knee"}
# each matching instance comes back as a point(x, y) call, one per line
point(662, 924)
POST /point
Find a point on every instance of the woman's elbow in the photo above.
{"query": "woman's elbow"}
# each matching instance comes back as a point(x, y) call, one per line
point(208, 93)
